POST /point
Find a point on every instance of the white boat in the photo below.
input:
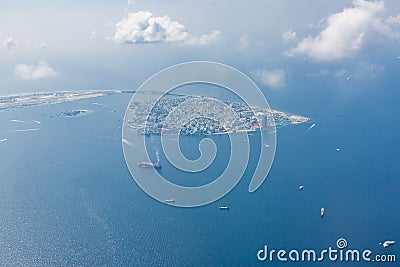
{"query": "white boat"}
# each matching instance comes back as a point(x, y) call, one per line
point(309, 128)
point(224, 208)
point(322, 211)
point(301, 187)
point(169, 200)
point(388, 243)
point(145, 164)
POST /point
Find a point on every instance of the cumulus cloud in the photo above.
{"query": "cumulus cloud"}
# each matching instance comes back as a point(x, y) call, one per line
point(345, 33)
point(272, 78)
point(289, 36)
point(9, 42)
point(144, 27)
point(33, 72)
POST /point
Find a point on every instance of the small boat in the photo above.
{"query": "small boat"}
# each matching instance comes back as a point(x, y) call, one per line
point(388, 243)
point(322, 211)
point(309, 128)
point(169, 200)
point(145, 164)
point(301, 187)
point(224, 208)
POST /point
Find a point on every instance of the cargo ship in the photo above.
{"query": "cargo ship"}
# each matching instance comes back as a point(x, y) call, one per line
point(145, 164)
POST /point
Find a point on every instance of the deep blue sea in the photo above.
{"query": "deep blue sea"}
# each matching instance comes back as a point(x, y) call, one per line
point(67, 197)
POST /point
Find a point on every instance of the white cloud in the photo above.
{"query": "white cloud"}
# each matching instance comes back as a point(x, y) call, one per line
point(289, 36)
point(272, 78)
point(393, 20)
point(33, 72)
point(204, 39)
point(144, 27)
point(345, 33)
point(244, 42)
point(131, 2)
point(9, 42)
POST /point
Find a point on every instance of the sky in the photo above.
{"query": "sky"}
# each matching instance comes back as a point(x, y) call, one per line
point(283, 45)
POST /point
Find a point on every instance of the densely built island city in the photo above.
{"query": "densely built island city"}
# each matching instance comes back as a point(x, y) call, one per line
point(193, 115)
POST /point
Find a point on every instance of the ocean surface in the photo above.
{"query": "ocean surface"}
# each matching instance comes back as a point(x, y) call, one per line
point(67, 197)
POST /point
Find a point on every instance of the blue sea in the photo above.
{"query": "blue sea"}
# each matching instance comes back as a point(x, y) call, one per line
point(67, 197)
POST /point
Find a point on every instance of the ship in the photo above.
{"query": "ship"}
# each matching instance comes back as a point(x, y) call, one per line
point(145, 164)
point(224, 208)
point(322, 212)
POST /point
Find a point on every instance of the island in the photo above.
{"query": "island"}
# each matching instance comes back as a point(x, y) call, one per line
point(75, 113)
point(199, 115)
point(23, 100)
